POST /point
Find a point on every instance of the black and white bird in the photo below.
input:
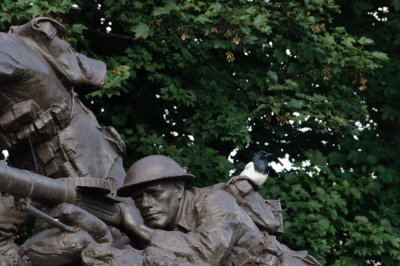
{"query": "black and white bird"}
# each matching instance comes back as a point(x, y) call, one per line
point(258, 169)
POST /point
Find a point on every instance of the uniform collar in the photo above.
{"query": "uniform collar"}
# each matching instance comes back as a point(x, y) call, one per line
point(186, 221)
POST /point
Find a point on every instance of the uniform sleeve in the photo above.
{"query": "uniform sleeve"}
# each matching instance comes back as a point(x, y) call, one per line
point(11, 62)
point(218, 229)
point(9, 67)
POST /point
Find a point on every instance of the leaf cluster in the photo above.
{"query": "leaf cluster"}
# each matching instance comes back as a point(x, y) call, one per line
point(313, 79)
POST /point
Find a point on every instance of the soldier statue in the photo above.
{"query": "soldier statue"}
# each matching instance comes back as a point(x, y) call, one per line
point(67, 170)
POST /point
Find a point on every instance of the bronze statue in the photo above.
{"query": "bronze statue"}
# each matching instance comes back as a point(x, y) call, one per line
point(82, 217)
point(171, 224)
point(42, 120)
point(204, 226)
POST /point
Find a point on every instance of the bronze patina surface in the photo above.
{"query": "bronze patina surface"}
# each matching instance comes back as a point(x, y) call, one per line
point(88, 211)
point(43, 125)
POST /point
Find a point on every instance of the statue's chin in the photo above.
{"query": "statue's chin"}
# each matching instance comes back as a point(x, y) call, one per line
point(53, 247)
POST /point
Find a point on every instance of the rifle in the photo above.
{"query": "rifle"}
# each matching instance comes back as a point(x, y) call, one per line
point(96, 196)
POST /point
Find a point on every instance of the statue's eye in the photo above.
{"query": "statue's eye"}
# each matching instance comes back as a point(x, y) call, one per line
point(138, 198)
point(156, 194)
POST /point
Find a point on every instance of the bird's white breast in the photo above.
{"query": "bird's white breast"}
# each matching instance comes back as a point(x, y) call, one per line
point(251, 173)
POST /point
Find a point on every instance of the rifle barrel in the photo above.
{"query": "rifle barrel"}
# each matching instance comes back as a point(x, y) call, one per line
point(37, 187)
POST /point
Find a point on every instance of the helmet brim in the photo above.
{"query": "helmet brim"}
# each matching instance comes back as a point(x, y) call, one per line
point(126, 190)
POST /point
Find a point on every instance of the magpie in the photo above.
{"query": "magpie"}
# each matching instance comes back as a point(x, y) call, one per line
point(258, 169)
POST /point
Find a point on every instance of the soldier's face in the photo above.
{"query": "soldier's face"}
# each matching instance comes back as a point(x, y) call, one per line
point(158, 203)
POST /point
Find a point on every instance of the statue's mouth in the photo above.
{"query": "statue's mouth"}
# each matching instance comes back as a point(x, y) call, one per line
point(152, 215)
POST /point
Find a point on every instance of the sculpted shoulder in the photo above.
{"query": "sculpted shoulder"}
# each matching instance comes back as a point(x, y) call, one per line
point(11, 60)
point(222, 200)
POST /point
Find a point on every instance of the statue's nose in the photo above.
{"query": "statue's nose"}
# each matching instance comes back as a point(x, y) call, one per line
point(145, 201)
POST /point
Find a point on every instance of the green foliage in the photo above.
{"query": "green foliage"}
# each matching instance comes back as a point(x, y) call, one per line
point(317, 80)
point(343, 203)
point(24, 234)
point(114, 84)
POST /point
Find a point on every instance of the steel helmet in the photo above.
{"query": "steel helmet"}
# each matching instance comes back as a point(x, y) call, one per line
point(152, 168)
